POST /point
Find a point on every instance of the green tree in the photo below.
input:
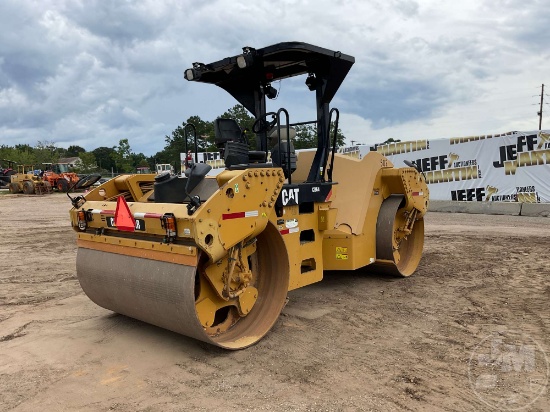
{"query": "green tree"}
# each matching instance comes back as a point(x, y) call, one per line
point(137, 160)
point(21, 154)
point(151, 162)
point(175, 143)
point(158, 158)
point(122, 156)
point(24, 147)
point(74, 151)
point(244, 120)
point(306, 137)
point(104, 158)
point(47, 152)
point(88, 165)
point(205, 134)
point(340, 138)
point(144, 163)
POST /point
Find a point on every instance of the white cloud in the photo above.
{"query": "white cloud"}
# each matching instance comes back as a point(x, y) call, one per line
point(94, 72)
point(12, 98)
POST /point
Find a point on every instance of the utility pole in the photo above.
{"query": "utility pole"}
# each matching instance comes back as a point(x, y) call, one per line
point(541, 102)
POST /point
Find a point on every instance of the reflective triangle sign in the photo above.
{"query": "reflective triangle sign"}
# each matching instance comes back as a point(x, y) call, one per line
point(123, 217)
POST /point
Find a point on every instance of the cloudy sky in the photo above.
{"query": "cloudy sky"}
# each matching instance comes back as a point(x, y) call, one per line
point(94, 72)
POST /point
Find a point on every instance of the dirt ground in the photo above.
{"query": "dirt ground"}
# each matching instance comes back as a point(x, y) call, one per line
point(353, 342)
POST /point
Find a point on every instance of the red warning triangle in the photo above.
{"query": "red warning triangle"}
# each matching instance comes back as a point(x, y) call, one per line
point(123, 218)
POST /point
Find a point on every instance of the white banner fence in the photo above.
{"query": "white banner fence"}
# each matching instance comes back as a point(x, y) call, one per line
point(508, 167)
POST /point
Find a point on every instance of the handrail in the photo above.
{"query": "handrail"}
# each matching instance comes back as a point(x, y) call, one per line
point(288, 162)
point(334, 109)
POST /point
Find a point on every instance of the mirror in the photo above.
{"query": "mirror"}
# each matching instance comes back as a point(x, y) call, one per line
point(87, 181)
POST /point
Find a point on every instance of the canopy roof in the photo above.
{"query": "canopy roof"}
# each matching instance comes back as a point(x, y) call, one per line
point(243, 75)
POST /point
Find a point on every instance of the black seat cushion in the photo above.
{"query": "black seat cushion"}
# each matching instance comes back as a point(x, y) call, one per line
point(257, 156)
point(227, 130)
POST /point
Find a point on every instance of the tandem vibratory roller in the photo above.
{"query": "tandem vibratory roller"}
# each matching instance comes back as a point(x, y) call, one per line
point(213, 257)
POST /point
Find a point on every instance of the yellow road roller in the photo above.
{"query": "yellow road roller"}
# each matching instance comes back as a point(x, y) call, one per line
point(213, 256)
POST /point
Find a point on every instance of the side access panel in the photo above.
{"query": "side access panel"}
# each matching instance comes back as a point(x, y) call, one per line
point(351, 243)
point(303, 214)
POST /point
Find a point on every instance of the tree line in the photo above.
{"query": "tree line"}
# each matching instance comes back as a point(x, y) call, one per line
point(104, 160)
point(122, 159)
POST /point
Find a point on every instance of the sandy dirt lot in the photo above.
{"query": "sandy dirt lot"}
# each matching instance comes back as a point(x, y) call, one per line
point(467, 332)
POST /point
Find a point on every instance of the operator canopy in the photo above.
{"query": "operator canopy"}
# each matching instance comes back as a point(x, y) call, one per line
point(253, 71)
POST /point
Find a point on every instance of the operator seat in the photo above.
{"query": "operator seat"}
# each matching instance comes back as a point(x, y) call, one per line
point(233, 145)
point(279, 153)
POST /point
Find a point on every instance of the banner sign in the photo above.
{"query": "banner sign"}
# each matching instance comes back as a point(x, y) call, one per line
point(212, 158)
point(509, 167)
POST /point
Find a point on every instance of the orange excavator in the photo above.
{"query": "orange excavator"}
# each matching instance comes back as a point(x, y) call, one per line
point(59, 177)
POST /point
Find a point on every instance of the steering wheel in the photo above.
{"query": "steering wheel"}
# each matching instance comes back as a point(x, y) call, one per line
point(262, 124)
